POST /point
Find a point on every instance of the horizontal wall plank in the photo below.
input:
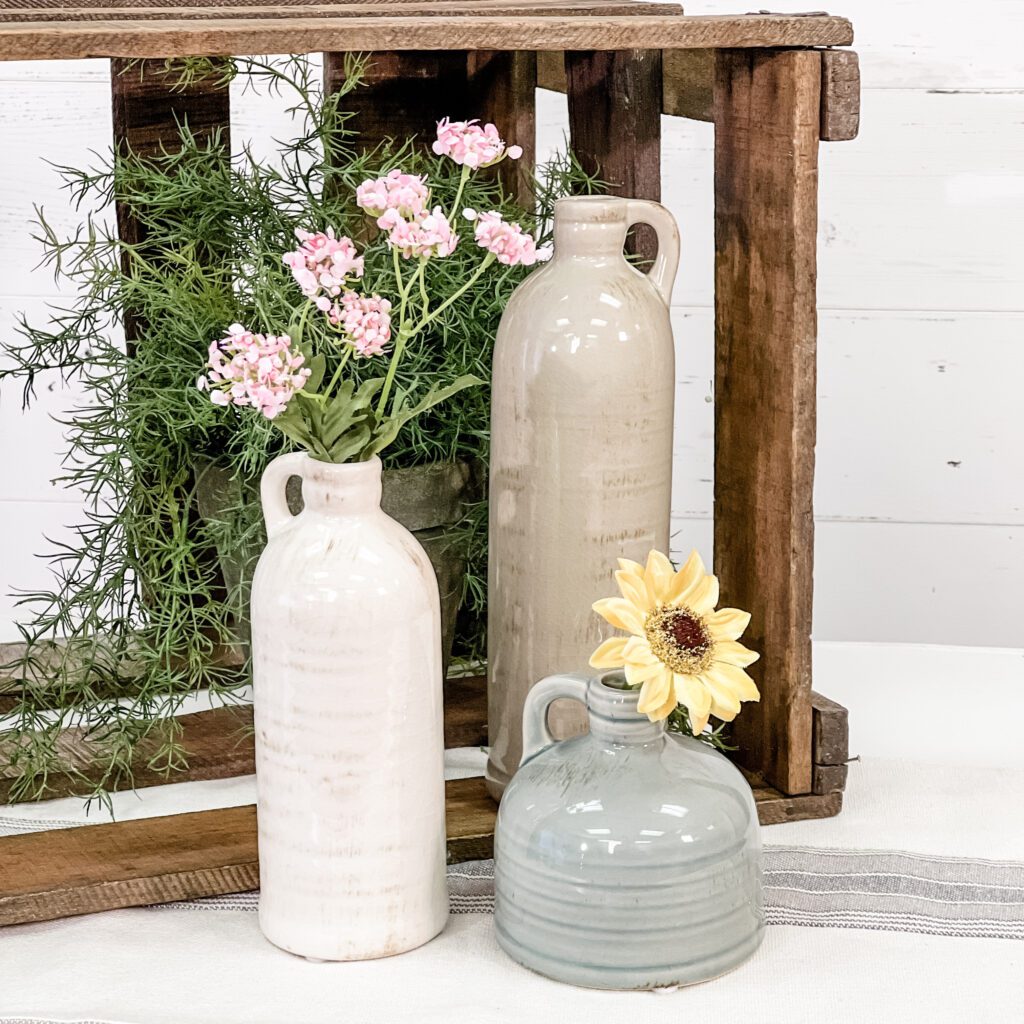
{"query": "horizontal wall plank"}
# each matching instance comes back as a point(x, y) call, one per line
point(904, 583)
point(913, 424)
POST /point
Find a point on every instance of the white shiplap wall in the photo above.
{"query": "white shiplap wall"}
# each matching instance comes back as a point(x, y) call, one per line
point(920, 494)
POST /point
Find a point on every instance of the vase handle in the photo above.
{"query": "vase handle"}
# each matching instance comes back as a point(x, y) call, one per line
point(666, 263)
point(536, 734)
point(273, 494)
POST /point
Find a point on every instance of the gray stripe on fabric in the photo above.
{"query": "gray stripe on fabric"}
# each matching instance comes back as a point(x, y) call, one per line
point(879, 890)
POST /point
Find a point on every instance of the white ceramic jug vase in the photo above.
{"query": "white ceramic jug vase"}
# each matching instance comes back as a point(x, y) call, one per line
point(581, 453)
point(348, 711)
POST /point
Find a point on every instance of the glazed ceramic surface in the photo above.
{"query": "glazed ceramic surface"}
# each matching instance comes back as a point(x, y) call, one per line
point(581, 452)
point(348, 716)
point(627, 858)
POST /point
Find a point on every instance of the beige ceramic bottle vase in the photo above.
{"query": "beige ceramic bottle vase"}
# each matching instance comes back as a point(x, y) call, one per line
point(349, 735)
point(581, 453)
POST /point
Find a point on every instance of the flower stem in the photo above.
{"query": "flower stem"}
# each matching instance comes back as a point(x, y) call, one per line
point(458, 195)
point(470, 281)
point(403, 337)
point(341, 366)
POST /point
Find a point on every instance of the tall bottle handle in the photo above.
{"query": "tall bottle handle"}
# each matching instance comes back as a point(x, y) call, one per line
point(273, 496)
point(536, 734)
point(666, 263)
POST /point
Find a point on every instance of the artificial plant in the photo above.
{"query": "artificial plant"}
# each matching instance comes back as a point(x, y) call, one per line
point(138, 604)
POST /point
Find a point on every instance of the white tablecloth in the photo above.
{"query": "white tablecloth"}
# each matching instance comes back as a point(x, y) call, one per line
point(885, 913)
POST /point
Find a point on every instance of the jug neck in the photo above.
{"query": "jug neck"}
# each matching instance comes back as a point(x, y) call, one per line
point(352, 488)
point(590, 227)
point(614, 717)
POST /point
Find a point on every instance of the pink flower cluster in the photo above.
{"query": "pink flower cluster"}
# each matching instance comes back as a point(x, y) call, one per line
point(365, 320)
point(467, 143)
point(395, 197)
point(512, 245)
point(430, 234)
point(323, 263)
point(254, 369)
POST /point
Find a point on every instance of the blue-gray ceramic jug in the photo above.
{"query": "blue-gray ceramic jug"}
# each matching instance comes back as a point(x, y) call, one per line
point(627, 858)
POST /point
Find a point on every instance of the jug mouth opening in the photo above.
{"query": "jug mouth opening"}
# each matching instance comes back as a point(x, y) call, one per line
point(591, 209)
point(616, 680)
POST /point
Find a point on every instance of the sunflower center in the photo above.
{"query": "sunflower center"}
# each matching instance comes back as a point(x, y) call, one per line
point(679, 639)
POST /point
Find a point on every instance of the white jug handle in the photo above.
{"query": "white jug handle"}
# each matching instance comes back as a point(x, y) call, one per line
point(536, 734)
point(273, 494)
point(663, 273)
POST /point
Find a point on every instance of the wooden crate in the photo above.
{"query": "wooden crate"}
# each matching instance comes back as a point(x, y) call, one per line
point(774, 86)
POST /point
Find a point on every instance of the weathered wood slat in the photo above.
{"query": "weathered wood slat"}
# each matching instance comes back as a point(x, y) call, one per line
point(831, 731)
point(840, 95)
point(829, 778)
point(427, 9)
point(201, 36)
point(62, 873)
point(766, 149)
point(615, 124)
point(688, 87)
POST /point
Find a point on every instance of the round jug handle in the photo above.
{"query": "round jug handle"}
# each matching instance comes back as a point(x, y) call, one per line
point(666, 263)
point(536, 734)
point(273, 495)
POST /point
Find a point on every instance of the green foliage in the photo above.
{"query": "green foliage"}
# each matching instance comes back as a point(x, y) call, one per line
point(139, 601)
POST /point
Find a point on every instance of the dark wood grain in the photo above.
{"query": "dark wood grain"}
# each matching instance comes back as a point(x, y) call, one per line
point(840, 95)
point(766, 159)
point(829, 778)
point(615, 124)
point(831, 735)
point(405, 93)
point(195, 34)
point(502, 89)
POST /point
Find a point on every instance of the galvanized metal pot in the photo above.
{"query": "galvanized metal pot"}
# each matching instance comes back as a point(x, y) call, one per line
point(628, 858)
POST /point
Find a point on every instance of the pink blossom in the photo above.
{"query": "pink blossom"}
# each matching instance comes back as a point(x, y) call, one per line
point(365, 320)
point(393, 197)
point(258, 370)
point(466, 142)
point(428, 235)
point(323, 263)
point(508, 242)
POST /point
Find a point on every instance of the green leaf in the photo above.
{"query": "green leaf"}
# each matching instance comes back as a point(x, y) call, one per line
point(318, 366)
point(391, 425)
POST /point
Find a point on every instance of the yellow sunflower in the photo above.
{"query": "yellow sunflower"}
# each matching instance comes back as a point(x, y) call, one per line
point(681, 650)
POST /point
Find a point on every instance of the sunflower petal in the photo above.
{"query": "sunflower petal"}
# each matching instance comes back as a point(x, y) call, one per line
point(637, 674)
point(703, 598)
point(633, 590)
point(692, 692)
point(655, 692)
point(621, 614)
point(724, 703)
point(685, 580)
point(733, 653)
point(658, 577)
point(633, 568)
point(727, 623)
point(610, 653)
point(638, 651)
point(734, 679)
point(666, 709)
